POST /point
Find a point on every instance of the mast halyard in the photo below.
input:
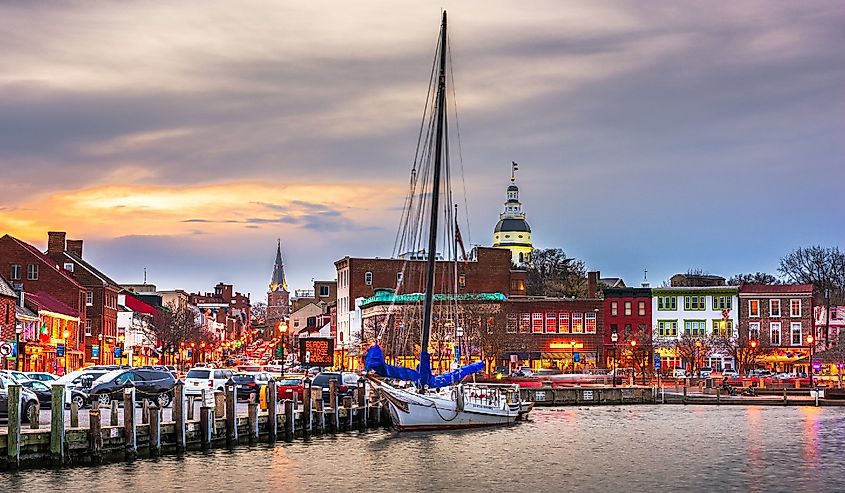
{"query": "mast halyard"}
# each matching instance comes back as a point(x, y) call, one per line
point(435, 191)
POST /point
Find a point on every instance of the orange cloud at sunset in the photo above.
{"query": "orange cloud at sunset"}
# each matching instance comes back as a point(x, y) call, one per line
point(119, 210)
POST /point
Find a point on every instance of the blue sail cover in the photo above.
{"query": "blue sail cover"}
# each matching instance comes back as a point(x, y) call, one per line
point(422, 376)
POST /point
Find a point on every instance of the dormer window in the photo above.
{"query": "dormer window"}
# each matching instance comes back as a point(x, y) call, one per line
point(68, 266)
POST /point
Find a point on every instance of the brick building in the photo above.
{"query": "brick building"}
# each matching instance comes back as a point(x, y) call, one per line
point(488, 271)
point(781, 318)
point(100, 297)
point(8, 300)
point(225, 312)
point(36, 274)
point(627, 313)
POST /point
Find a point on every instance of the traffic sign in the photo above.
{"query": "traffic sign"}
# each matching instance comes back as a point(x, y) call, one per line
point(60, 350)
point(117, 352)
point(5, 349)
point(657, 363)
point(576, 357)
point(95, 351)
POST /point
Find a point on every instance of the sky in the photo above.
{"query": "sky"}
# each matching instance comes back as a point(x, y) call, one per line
point(185, 138)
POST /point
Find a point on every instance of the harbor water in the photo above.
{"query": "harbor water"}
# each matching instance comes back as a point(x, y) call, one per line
point(607, 449)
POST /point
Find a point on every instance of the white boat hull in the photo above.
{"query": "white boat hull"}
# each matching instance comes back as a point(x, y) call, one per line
point(412, 411)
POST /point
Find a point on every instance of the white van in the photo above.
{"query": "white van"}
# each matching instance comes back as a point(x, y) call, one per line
point(198, 379)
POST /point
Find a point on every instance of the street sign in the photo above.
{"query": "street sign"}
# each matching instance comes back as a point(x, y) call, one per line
point(95, 351)
point(5, 349)
point(60, 350)
point(280, 352)
point(317, 351)
point(117, 352)
point(656, 361)
point(576, 357)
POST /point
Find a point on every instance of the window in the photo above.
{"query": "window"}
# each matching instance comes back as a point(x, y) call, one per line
point(551, 323)
point(399, 277)
point(627, 308)
point(368, 278)
point(89, 298)
point(324, 290)
point(524, 322)
point(794, 307)
point(667, 302)
point(68, 266)
point(795, 330)
point(753, 308)
point(774, 333)
point(614, 308)
point(462, 281)
point(590, 323)
point(32, 272)
point(563, 322)
point(724, 328)
point(774, 308)
point(88, 327)
point(577, 323)
point(15, 272)
point(722, 302)
point(694, 302)
point(641, 308)
point(537, 323)
point(513, 323)
point(694, 328)
point(667, 328)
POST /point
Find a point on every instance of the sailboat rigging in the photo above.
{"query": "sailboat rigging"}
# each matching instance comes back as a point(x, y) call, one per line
point(439, 401)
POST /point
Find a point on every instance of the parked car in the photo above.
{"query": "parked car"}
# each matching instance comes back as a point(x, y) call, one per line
point(149, 384)
point(783, 376)
point(17, 376)
point(249, 383)
point(705, 372)
point(760, 373)
point(42, 391)
point(41, 376)
point(28, 399)
point(169, 368)
point(205, 378)
point(286, 388)
point(729, 373)
point(679, 373)
point(346, 383)
point(547, 371)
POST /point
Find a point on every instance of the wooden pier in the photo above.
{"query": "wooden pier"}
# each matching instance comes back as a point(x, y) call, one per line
point(215, 426)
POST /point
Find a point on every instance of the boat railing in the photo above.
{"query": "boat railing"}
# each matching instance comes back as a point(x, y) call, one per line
point(490, 394)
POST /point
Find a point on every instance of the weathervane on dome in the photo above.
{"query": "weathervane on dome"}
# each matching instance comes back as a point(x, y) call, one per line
point(514, 167)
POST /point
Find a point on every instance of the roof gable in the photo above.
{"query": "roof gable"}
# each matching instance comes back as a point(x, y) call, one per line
point(93, 270)
point(45, 260)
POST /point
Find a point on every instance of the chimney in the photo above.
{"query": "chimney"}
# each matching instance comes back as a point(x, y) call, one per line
point(55, 242)
point(593, 284)
point(75, 247)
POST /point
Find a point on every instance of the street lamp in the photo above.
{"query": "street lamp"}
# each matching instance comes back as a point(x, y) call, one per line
point(614, 337)
point(633, 356)
point(812, 354)
point(18, 332)
point(573, 344)
point(283, 329)
point(65, 335)
point(696, 355)
point(121, 339)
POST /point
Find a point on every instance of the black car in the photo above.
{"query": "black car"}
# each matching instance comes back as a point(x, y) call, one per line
point(43, 393)
point(249, 383)
point(346, 383)
point(149, 384)
point(28, 400)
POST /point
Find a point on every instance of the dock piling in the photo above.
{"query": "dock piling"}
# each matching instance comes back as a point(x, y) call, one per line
point(155, 430)
point(252, 419)
point(113, 415)
point(179, 414)
point(130, 435)
point(74, 414)
point(13, 450)
point(272, 424)
point(290, 417)
point(362, 406)
point(306, 406)
point(95, 434)
point(231, 412)
point(206, 426)
point(57, 424)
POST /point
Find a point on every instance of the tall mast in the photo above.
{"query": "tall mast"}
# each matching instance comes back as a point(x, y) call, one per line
point(435, 189)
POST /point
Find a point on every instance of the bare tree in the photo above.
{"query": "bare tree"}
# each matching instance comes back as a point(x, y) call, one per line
point(745, 349)
point(755, 278)
point(551, 273)
point(175, 324)
point(822, 267)
point(638, 348)
point(692, 350)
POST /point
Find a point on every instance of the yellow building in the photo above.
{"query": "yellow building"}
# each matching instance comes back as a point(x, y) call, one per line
point(512, 231)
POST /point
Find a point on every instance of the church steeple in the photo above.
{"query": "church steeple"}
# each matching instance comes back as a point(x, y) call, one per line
point(278, 282)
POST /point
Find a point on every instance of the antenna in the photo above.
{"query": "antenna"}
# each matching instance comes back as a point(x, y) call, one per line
point(145, 275)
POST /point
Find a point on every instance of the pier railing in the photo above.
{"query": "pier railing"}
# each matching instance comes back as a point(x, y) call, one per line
point(216, 423)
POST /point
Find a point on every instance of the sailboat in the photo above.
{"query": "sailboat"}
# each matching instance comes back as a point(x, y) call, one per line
point(439, 402)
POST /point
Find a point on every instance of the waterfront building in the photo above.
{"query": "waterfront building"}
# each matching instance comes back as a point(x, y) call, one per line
point(40, 278)
point(697, 311)
point(488, 270)
point(134, 321)
point(8, 300)
point(512, 231)
point(780, 317)
point(58, 324)
point(830, 323)
point(627, 313)
point(100, 297)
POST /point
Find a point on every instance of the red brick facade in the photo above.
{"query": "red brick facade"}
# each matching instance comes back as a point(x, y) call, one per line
point(627, 312)
point(232, 310)
point(7, 311)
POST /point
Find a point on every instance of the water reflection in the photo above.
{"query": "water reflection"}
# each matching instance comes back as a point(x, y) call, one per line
point(636, 448)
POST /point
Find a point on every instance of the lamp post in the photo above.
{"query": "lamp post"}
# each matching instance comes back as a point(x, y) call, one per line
point(18, 332)
point(121, 339)
point(573, 344)
point(65, 336)
point(695, 365)
point(283, 329)
point(810, 341)
point(614, 337)
point(633, 350)
point(753, 356)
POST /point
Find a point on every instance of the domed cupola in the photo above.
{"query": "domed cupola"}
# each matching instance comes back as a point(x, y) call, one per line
point(512, 231)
